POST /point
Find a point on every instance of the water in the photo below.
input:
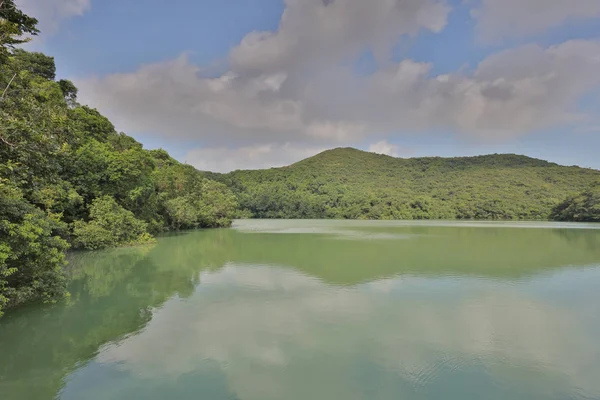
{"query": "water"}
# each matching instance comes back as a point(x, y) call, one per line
point(321, 310)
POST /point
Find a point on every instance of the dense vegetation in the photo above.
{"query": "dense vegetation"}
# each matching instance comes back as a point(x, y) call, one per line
point(68, 179)
point(352, 184)
point(583, 207)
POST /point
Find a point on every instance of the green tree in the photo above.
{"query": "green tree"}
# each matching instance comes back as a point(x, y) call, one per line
point(67, 175)
point(31, 251)
point(69, 91)
point(109, 225)
point(584, 207)
point(182, 212)
point(216, 205)
point(14, 24)
point(35, 63)
point(349, 183)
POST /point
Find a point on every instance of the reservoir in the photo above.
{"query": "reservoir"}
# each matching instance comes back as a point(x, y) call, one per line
point(332, 310)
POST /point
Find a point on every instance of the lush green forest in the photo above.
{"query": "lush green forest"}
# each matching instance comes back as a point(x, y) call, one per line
point(68, 179)
point(582, 207)
point(352, 184)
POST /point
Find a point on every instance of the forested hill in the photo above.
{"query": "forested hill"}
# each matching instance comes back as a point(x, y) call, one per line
point(349, 183)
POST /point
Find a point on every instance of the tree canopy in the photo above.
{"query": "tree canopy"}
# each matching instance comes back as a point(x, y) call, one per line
point(14, 25)
point(352, 184)
point(68, 179)
point(582, 207)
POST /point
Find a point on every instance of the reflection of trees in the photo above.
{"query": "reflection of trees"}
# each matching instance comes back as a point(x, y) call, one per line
point(100, 271)
point(589, 239)
point(41, 345)
point(487, 252)
point(113, 292)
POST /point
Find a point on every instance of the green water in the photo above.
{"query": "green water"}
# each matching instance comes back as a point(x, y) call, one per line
point(321, 310)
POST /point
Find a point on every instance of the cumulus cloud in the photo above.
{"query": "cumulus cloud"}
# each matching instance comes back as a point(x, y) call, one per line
point(224, 159)
point(50, 13)
point(317, 31)
point(261, 98)
point(290, 91)
point(510, 93)
point(384, 147)
point(502, 19)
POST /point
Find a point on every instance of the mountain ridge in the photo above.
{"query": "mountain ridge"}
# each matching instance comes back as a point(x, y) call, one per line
point(477, 159)
point(483, 157)
point(355, 184)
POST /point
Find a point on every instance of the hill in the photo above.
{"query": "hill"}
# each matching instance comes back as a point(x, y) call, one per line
point(353, 184)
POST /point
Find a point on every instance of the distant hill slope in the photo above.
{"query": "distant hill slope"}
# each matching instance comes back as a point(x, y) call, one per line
point(349, 183)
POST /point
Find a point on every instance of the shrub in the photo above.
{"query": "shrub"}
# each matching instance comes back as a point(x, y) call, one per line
point(31, 253)
point(109, 225)
point(584, 207)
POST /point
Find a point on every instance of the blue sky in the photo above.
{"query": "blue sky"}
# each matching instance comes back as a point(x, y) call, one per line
point(227, 84)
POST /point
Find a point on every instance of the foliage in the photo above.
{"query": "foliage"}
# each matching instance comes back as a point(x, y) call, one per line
point(110, 225)
point(191, 200)
point(13, 25)
point(583, 207)
point(68, 175)
point(69, 92)
point(352, 184)
point(36, 63)
point(31, 252)
point(216, 205)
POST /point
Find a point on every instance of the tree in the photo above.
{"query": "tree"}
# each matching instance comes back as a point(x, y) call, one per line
point(14, 24)
point(69, 92)
point(87, 123)
point(110, 225)
point(31, 251)
point(349, 183)
point(216, 205)
point(66, 175)
point(35, 63)
point(584, 207)
point(182, 212)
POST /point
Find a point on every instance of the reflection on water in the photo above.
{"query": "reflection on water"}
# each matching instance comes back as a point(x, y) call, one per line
point(287, 310)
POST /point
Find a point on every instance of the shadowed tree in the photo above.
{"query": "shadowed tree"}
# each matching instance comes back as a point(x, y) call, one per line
point(14, 25)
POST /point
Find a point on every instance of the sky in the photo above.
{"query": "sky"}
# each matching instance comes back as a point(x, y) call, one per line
point(244, 84)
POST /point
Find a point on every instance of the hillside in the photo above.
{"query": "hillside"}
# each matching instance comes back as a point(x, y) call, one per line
point(68, 179)
point(349, 183)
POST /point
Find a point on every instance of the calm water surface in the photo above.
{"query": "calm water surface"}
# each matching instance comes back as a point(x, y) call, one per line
point(321, 310)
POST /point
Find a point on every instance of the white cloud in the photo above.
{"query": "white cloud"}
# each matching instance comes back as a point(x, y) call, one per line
point(510, 93)
point(502, 19)
point(50, 13)
point(224, 159)
point(321, 32)
point(383, 147)
point(288, 92)
point(261, 98)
